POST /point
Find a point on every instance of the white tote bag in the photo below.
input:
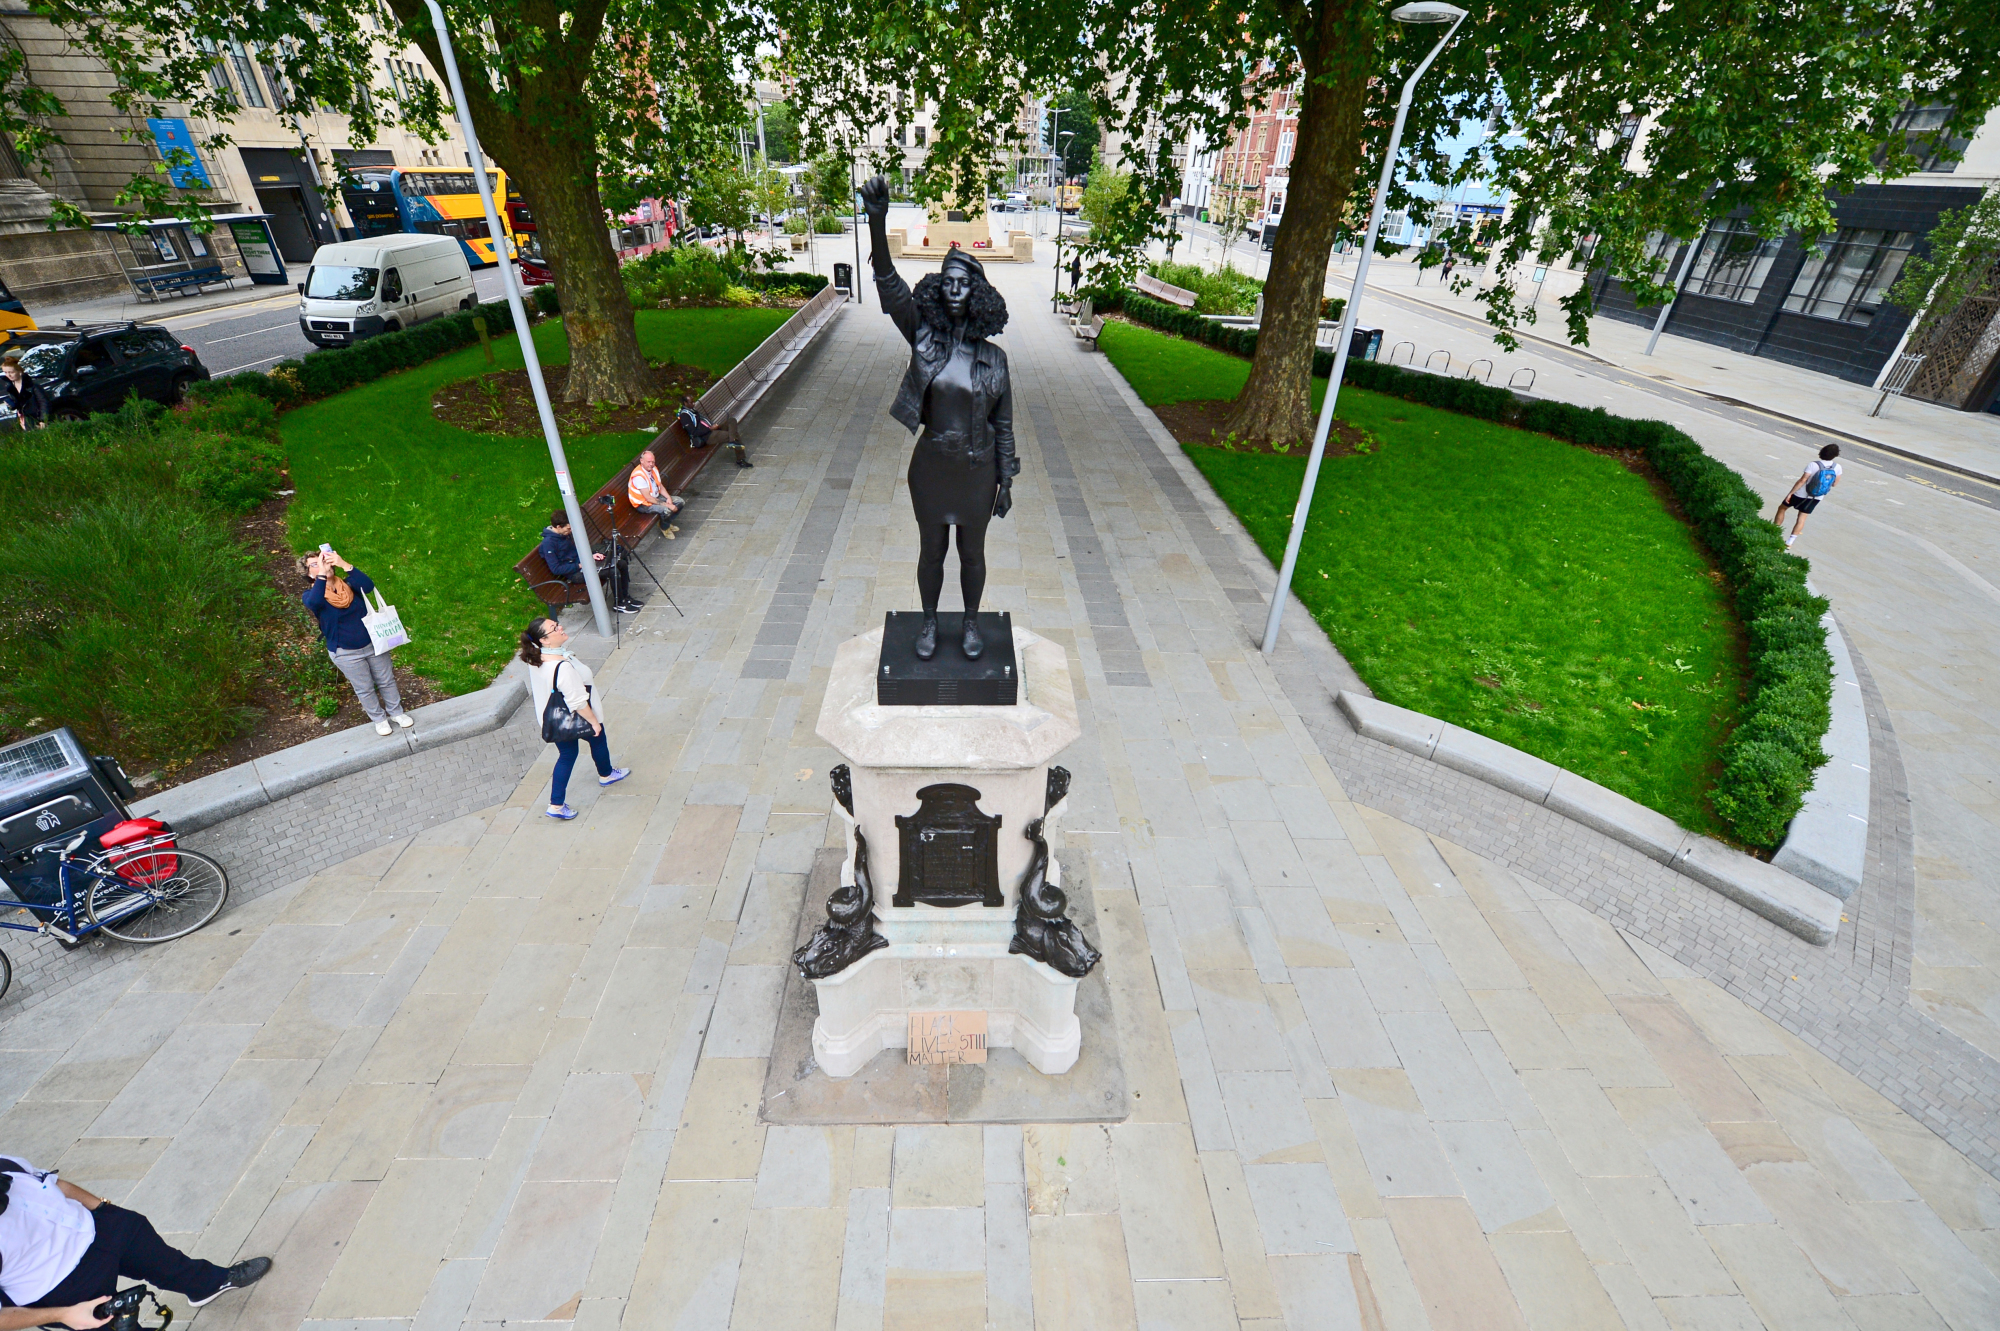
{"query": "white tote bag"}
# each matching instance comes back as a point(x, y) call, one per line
point(384, 625)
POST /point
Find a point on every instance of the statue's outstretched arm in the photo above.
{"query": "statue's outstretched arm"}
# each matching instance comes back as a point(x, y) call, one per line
point(889, 284)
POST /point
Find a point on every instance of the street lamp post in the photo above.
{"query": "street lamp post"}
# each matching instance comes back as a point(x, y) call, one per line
point(1422, 11)
point(599, 611)
point(1055, 296)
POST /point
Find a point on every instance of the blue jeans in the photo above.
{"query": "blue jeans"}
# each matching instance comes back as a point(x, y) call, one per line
point(600, 753)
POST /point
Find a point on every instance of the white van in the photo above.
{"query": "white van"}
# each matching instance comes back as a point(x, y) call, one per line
point(358, 288)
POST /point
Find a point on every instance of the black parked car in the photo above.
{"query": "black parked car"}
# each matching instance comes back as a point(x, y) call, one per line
point(96, 367)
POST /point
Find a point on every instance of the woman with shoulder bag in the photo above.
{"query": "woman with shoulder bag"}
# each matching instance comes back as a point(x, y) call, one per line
point(570, 713)
point(338, 599)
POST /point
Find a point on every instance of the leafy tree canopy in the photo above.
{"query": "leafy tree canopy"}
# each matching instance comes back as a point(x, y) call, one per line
point(565, 94)
point(1763, 106)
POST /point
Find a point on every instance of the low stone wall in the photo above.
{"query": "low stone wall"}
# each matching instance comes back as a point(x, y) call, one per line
point(1788, 901)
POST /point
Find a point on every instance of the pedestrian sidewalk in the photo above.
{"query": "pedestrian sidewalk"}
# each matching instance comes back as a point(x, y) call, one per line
point(127, 305)
point(1962, 441)
point(510, 1070)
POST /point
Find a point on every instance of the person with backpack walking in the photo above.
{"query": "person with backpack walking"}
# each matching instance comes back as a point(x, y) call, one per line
point(1815, 483)
point(556, 676)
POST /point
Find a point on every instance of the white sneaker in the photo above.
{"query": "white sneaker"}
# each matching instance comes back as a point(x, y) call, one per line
point(404, 719)
point(381, 727)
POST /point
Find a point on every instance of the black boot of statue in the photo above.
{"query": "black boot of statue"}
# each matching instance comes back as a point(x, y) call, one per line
point(927, 639)
point(974, 644)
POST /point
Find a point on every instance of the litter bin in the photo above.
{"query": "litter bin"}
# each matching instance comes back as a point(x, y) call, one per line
point(50, 789)
point(1367, 344)
point(843, 277)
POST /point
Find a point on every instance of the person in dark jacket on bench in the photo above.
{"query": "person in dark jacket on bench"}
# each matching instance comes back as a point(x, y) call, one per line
point(558, 551)
point(699, 428)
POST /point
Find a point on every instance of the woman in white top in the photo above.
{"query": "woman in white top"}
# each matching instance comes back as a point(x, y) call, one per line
point(551, 667)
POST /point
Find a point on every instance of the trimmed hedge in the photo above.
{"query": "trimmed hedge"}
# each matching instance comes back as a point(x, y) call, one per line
point(806, 284)
point(324, 373)
point(1200, 328)
point(1768, 763)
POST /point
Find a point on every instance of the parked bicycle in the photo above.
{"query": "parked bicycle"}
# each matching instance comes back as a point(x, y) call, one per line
point(150, 890)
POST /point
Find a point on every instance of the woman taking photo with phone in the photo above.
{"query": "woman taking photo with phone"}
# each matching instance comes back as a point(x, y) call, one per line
point(554, 672)
point(338, 599)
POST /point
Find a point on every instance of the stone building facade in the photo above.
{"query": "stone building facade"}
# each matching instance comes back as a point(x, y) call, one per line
point(270, 166)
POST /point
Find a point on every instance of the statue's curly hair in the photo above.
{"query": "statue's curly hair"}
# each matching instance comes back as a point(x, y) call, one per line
point(985, 313)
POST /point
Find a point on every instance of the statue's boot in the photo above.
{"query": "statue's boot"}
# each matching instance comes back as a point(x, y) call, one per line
point(974, 644)
point(927, 639)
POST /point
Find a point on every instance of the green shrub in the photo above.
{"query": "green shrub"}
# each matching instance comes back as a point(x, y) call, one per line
point(829, 224)
point(796, 225)
point(234, 472)
point(676, 275)
point(136, 619)
point(1188, 324)
point(742, 297)
point(547, 301)
point(798, 284)
point(1216, 292)
point(1768, 763)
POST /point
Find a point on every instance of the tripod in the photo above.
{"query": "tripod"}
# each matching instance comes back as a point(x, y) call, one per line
point(619, 550)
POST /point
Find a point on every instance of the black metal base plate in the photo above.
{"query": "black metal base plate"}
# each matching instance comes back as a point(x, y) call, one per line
point(947, 679)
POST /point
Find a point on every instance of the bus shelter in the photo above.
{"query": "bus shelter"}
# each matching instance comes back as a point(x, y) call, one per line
point(166, 256)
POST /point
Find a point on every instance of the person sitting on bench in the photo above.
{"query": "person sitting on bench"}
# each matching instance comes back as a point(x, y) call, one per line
point(558, 551)
point(648, 494)
point(699, 428)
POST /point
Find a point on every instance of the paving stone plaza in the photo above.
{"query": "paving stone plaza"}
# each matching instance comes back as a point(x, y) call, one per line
point(1400, 1051)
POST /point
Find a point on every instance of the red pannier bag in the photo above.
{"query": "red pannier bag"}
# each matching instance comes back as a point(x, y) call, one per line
point(150, 861)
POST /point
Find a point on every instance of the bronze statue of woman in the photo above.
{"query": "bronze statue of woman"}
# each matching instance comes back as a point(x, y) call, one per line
point(962, 472)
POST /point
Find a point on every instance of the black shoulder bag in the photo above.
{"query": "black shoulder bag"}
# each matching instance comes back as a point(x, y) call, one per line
point(559, 723)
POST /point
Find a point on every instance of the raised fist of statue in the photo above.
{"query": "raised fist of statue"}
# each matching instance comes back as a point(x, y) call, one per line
point(875, 198)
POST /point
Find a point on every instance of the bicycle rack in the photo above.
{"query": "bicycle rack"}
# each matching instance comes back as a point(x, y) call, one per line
point(1433, 356)
point(1398, 347)
point(1523, 388)
point(1476, 364)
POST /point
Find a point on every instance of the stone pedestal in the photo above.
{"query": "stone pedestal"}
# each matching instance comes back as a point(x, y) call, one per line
point(936, 958)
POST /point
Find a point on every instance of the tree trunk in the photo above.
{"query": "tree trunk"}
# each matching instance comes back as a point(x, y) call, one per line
point(546, 142)
point(1276, 403)
point(605, 364)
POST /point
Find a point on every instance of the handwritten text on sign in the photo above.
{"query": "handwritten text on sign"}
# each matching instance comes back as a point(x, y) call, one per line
point(947, 1037)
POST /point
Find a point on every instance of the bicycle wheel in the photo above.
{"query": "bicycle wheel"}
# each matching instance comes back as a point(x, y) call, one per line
point(6, 974)
point(157, 912)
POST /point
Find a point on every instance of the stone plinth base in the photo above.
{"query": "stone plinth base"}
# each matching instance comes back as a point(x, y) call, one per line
point(936, 240)
point(992, 765)
point(866, 1008)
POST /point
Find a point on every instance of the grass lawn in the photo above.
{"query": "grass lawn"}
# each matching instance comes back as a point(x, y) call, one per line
point(438, 515)
point(1518, 586)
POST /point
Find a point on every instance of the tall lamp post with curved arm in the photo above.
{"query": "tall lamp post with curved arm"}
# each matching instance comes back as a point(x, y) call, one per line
point(600, 613)
point(1423, 11)
point(1055, 296)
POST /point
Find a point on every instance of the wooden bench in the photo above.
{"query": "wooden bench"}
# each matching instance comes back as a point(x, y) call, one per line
point(726, 402)
point(1166, 291)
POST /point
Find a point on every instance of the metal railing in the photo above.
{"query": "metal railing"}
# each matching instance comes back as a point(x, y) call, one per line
point(1899, 377)
point(1433, 356)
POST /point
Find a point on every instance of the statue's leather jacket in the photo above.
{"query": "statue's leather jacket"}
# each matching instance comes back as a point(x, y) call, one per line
point(929, 348)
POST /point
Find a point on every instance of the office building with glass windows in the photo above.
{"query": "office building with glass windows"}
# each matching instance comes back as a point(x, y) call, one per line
point(1821, 304)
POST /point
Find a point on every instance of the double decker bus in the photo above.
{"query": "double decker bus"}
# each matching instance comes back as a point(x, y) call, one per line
point(436, 202)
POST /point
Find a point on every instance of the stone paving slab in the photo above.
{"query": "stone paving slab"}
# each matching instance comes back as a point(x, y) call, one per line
point(889, 1089)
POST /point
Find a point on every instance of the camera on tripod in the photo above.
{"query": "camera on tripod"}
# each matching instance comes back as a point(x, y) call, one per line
point(123, 1309)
